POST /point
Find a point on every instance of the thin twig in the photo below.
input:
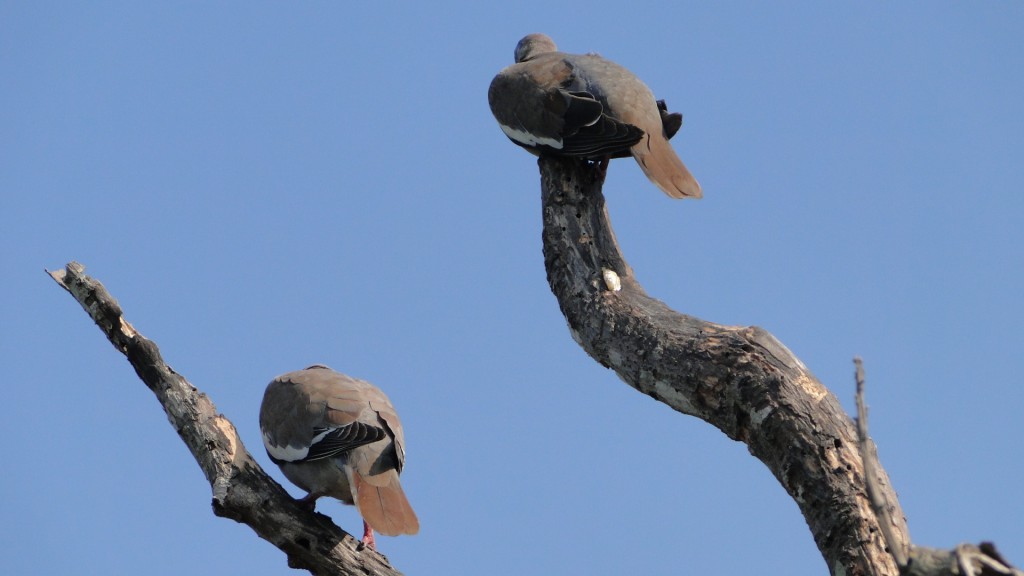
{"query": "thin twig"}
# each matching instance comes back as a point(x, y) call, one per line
point(869, 455)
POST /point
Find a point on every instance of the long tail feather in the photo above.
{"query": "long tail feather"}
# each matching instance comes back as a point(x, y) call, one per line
point(383, 505)
point(663, 167)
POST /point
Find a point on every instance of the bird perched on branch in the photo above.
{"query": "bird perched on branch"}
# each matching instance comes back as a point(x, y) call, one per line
point(586, 106)
point(337, 436)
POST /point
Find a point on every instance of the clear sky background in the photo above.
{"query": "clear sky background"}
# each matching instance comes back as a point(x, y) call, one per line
point(264, 186)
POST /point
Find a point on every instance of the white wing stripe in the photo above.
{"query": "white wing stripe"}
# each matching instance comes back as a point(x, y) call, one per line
point(285, 453)
point(528, 139)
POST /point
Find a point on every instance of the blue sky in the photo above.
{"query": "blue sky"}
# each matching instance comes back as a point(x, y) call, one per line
point(269, 185)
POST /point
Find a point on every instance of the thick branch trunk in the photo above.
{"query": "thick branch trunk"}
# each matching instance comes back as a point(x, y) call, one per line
point(742, 381)
point(739, 379)
point(242, 491)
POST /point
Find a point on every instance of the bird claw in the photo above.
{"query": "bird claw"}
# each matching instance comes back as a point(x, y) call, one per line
point(368, 539)
point(309, 501)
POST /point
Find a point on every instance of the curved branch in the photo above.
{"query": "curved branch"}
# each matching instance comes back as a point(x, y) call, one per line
point(742, 381)
point(242, 491)
point(739, 379)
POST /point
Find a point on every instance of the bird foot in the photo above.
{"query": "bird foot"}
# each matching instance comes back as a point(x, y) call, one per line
point(308, 501)
point(368, 540)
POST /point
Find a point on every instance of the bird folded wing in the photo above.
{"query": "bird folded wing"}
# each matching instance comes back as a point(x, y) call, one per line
point(330, 442)
point(537, 107)
point(339, 436)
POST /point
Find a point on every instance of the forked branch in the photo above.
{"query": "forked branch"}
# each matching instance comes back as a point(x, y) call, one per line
point(739, 379)
point(965, 559)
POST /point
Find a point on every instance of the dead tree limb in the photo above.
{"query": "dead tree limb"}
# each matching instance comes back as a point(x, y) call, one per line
point(965, 559)
point(899, 548)
point(739, 379)
point(242, 491)
point(742, 381)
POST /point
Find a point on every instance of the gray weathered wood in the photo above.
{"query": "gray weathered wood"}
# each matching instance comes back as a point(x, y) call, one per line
point(964, 560)
point(739, 379)
point(242, 491)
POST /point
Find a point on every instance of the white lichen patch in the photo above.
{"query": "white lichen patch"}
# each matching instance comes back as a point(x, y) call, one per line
point(758, 416)
point(673, 397)
point(798, 494)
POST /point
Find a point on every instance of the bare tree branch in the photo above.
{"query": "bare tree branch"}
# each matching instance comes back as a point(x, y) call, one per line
point(739, 379)
point(965, 559)
point(242, 491)
point(742, 381)
point(869, 455)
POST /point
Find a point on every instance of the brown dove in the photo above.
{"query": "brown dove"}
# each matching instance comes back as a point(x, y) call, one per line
point(586, 106)
point(337, 436)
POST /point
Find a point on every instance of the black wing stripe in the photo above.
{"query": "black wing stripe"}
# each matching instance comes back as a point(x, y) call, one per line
point(343, 439)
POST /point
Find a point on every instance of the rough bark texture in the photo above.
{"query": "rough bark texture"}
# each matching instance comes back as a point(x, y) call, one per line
point(965, 559)
point(242, 491)
point(739, 379)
